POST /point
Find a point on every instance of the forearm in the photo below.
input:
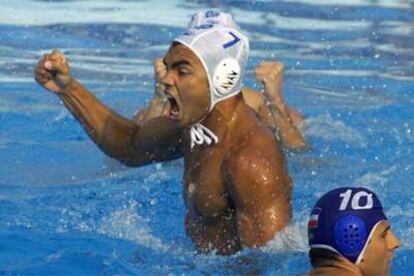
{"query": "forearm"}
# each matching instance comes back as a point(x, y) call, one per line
point(111, 132)
point(86, 108)
point(117, 136)
point(287, 131)
point(121, 138)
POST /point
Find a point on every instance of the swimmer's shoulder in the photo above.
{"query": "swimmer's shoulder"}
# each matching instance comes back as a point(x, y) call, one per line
point(252, 98)
point(252, 157)
point(253, 137)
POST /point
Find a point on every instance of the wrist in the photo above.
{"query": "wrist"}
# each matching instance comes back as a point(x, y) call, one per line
point(69, 87)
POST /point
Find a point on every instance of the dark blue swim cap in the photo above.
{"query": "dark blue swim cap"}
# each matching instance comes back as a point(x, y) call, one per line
point(343, 219)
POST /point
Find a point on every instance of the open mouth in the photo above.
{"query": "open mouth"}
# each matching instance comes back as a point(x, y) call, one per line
point(174, 107)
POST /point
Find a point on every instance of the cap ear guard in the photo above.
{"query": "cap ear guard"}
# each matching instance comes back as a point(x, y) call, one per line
point(226, 76)
point(343, 221)
point(350, 236)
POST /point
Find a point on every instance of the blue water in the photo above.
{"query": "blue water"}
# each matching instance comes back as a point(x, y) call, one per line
point(65, 208)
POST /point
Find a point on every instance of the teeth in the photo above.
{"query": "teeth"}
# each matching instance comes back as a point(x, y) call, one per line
point(175, 111)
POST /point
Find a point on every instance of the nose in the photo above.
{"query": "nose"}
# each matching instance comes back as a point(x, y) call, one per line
point(393, 242)
point(167, 79)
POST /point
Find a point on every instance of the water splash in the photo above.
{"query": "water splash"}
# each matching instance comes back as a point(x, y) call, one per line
point(129, 225)
point(325, 127)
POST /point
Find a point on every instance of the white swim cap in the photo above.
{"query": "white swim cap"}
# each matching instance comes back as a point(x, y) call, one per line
point(214, 17)
point(223, 51)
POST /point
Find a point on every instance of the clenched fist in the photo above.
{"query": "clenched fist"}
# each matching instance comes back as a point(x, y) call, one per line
point(53, 72)
point(269, 72)
point(160, 69)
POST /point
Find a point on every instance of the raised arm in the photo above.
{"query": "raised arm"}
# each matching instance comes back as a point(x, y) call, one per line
point(260, 188)
point(283, 118)
point(118, 137)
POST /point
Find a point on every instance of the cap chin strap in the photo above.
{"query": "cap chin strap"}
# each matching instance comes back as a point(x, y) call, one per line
point(327, 247)
point(361, 255)
point(225, 78)
point(202, 135)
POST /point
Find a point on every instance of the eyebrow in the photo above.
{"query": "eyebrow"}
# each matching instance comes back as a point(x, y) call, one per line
point(179, 63)
point(386, 229)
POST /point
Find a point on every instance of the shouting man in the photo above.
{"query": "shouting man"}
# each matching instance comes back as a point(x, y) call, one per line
point(236, 187)
point(270, 106)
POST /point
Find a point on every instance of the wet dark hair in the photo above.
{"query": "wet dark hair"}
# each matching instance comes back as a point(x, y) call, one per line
point(322, 257)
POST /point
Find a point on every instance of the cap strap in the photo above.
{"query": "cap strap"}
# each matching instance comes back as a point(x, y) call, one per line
point(361, 255)
point(201, 134)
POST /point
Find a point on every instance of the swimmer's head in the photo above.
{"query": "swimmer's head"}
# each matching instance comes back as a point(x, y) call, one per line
point(186, 86)
point(214, 17)
point(344, 220)
point(223, 52)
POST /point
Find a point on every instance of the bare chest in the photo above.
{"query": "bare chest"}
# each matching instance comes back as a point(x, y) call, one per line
point(204, 182)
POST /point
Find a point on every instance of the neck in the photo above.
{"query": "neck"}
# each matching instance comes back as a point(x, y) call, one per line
point(222, 115)
point(338, 264)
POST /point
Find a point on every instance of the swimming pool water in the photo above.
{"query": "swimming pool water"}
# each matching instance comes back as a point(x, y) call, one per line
point(65, 208)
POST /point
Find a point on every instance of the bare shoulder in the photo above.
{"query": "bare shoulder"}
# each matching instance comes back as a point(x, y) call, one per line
point(252, 98)
point(256, 146)
point(246, 91)
point(256, 152)
point(257, 172)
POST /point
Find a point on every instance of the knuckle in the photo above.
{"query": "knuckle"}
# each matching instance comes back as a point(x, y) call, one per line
point(278, 64)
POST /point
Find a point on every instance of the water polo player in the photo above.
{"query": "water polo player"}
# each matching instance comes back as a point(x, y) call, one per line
point(349, 234)
point(270, 106)
point(236, 186)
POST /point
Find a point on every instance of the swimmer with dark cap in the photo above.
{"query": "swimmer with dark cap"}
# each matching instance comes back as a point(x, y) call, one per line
point(237, 189)
point(349, 234)
point(269, 106)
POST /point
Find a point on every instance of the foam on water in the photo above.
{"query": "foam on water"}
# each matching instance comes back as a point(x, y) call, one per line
point(293, 238)
point(325, 127)
point(129, 225)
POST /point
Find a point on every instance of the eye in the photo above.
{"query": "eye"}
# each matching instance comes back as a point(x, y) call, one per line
point(183, 70)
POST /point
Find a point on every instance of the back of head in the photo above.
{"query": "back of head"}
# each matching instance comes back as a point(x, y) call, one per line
point(222, 49)
point(214, 17)
point(343, 220)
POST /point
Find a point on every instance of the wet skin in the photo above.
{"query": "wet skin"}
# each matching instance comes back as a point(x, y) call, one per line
point(237, 192)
